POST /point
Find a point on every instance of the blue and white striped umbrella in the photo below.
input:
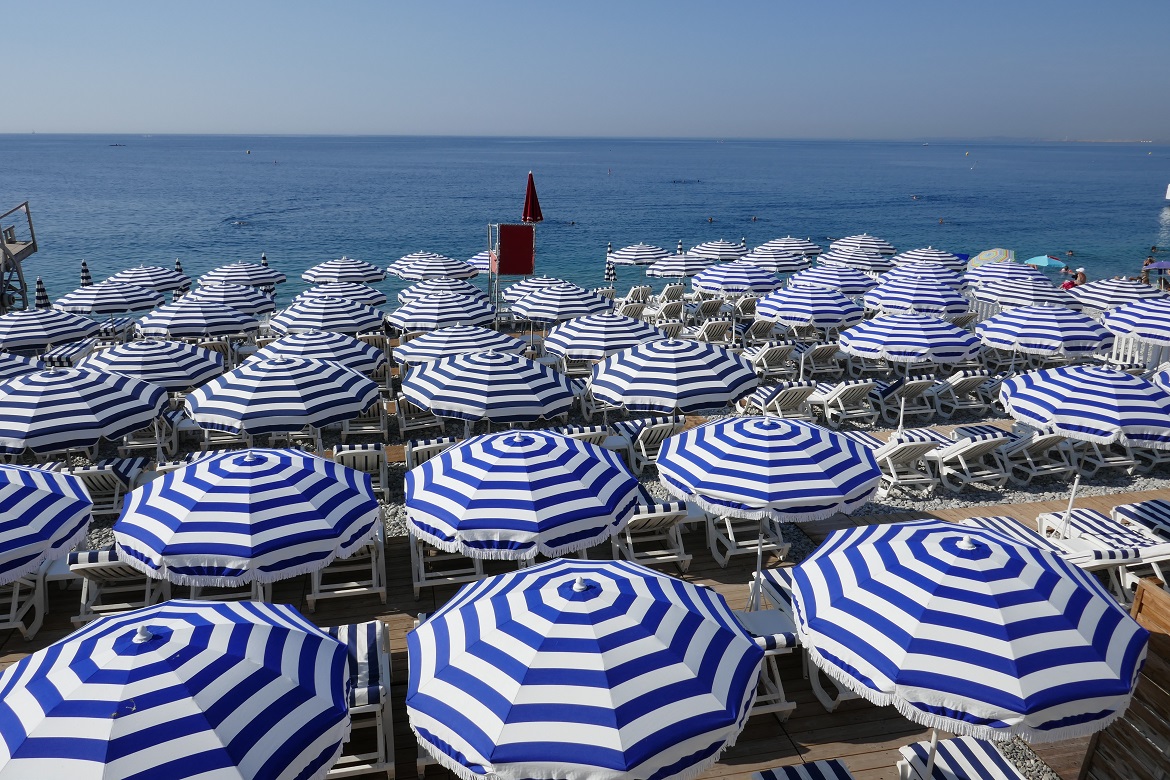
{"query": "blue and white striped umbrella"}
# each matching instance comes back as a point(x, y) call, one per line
point(344, 269)
point(258, 515)
point(1106, 294)
point(481, 262)
point(495, 386)
point(1147, 321)
point(870, 262)
point(186, 318)
point(241, 297)
point(597, 335)
point(673, 376)
point(719, 250)
point(516, 494)
point(638, 254)
point(560, 302)
point(735, 278)
point(428, 265)
point(931, 272)
point(819, 307)
point(108, 298)
point(1161, 379)
point(1091, 403)
point(252, 274)
point(459, 340)
point(1044, 330)
point(910, 338)
point(441, 310)
point(515, 292)
point(678, 266)
point(778, 261)
point(73, 408)
point(555, 672)
point(842, 278)
point(40, 328)
point(1025, 292)
point(1008, 270)
point(43, 515)
point(17, 365)
point(350, 291)
point(910, 296)
point(768, 468)
point(153, 277)
point(797, 246)
point(967, 630)
point(609, 276)
point(180, 689)
point(172, 365)
point(322, 345)
point(281, 395)
point(931, 255)
point(337, 315)
point(865, 243)
point(86, 277)
point(434, 286)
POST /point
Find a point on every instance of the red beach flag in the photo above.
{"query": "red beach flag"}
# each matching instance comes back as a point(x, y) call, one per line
point(531, 204)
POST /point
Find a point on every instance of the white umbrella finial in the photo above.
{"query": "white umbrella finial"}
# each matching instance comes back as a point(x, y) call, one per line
point(579, 586)
point(143, 635)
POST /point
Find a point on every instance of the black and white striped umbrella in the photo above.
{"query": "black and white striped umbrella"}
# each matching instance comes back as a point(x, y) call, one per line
point(428, 265)
point(735, 278)
point(86, 277)
point(678, 266)
point(609, 276)
point(73, 408)
point(186, 318)
point(108, 298)
point(800, 306)
point(929, 254)
point(778, 261)
point(494, 386)
point(910, 338)
point(513, 495)
point(41, 296)
point(281, 395)
point(1025, 292)
point(442, 310)
point(39, 328)
point(673, 376)
point(180, 689)
point(865, 242)
point(320, 345)
point(457, 340)
point(1105, 294)
point(243, 273)
point(560, 302)
point(241, 297)
point(843, 279)
point(344, 269)
point(481, 262)
point(153, 277)
point(718, 250)
point(434, 286)
point(18, 365)
point(172, 365)
point(45, 515)
point(337, 315)
point(916, 296)
point(933, 272)
point(796, 246)
point(350, 291)
point(637, 254)
point(597, 335)
point(515, 292)
point(178, 266)
point(871, 262)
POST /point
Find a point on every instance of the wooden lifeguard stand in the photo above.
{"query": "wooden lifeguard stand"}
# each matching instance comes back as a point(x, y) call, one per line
point(17, 242)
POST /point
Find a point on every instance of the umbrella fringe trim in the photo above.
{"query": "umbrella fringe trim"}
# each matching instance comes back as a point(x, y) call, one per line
point(510, 555)
point(62, 550)
point(720, 510)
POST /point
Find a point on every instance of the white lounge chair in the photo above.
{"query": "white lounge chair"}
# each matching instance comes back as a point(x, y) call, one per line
point(711, 331)
point(419, 451)
point(703, 310)
point(412, 417)
point(902, 460)
point(671, 328)
point(632, 309)
point(371, 422)
point(665, 312)
point(774, 632)
point(640, 440)
point(846, 401)
point(760, 332)
point(430, 566)
point(827, 769)
point(815, 360)
point(903, 399)
point(652, 536)
point(786, 399)
point(367, 686)
point(1100, 531)
point(108, 481)
point(729, 536)
point(959, 393)
point(1152, 515)
point(367, 458)
point(959, 757)
point(110, 586)
point(1028, 455)
point(772, 360)
point(967, 461)
point(594, 434)
point(574, 367)
point(363, 572)
point(591, 405)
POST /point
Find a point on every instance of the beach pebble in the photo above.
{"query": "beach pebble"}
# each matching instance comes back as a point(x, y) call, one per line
point(1030, 765)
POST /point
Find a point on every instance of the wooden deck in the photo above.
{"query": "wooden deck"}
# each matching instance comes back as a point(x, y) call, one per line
point(865, 736)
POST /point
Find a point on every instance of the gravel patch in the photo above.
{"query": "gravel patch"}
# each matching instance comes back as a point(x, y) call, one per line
point(1030, 765)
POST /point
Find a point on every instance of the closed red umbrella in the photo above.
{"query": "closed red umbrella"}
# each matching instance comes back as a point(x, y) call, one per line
point(531, 204)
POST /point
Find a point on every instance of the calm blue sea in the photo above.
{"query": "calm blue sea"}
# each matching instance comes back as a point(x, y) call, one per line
point(302, 200)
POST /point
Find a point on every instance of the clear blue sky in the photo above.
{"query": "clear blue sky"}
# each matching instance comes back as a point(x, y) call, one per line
point(1073, 69)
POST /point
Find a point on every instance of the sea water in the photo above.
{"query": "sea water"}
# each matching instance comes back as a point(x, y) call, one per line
point(119, 201)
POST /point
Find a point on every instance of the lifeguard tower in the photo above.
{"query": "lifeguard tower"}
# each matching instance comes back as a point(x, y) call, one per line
point(512, 248)
point(18, 242)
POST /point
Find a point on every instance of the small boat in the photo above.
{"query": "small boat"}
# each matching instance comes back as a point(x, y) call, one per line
point(1168, 192)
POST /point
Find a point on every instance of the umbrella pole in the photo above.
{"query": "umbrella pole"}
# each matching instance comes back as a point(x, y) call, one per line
point(933, 752)
point(1071, 499)
point(901, 411)
point(757, 582)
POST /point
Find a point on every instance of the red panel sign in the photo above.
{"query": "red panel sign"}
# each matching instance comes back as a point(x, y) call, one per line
point(517, 251)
